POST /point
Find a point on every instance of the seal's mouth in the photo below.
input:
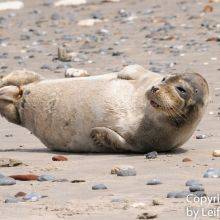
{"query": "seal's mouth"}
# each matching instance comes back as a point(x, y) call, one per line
point(154, 104)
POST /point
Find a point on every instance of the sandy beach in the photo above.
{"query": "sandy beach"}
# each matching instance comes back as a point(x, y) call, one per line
point(164, 36)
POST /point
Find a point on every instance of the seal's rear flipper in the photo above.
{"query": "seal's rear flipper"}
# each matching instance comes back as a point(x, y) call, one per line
point(19, 78)
point(8, 97)
point(105, 137)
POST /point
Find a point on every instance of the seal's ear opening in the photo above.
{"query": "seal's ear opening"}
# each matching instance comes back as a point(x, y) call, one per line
point(8, 96)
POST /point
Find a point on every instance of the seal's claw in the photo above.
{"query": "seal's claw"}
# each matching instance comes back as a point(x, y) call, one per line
point(106, 137)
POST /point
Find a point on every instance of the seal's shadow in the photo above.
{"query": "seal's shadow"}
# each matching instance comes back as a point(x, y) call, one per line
point(126, 154)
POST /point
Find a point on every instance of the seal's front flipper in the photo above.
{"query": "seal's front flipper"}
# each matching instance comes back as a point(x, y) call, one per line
point(105, 137)
point(8, 98)
point(19, 78)
point(132, 72)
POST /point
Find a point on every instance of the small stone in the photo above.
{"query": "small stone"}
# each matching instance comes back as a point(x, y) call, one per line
point(124, 170)
point(99, 187)
point(69, 2)
point(88, 22)
point(27, 177)
point(154, 182)
point(78, 181)
point(8, 162)
point(11, 200)
point(64, 56)
point(72, 72)
point(147, 215)
point(55, 16)
point(208, 9)
point(195, 188)
point(118, 199)
point(13, 5)
point(33, 197)
point(61, 180)
point(192, 183)
point(45, 178)
point(59, 158)
point(199, 194)
point(46, 67)
point(182, 194)
point(186, 160)
point(212, 173)
point(20, 194)
point(201, 136)
point(151, 155)
point(156, 202)
point(216, 153)
point(7, 181)
point(216, 39)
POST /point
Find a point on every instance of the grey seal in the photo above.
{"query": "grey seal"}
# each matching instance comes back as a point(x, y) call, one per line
point(133, 110)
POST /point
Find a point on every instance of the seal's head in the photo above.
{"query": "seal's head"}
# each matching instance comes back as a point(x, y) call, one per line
point(182, 97)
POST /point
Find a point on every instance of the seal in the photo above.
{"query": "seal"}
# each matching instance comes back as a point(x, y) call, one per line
point(134, 110)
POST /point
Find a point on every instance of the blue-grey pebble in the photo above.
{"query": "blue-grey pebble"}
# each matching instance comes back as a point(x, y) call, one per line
point(196, 188)
point(126, 171)
point(154, 182)
point(6, 181)
point(11, 200)
point(212, 173)
point(151, 155)
point(99, 186)
point(46, 177)
point(199, 194)
point(33, 197)
point(193, 182)
point(181, 194)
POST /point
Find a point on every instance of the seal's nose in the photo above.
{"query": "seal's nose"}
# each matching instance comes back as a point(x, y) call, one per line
point(154, 89)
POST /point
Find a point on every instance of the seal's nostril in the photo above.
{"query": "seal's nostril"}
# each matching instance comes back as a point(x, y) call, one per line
point(154, 89)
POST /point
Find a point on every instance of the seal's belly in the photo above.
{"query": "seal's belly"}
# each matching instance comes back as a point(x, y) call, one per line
point(61, 114)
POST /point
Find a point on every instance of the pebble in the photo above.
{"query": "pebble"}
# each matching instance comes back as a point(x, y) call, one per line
point(212, 173)
point(45, 177)
point(33, 197)
point(27, 177)
point(193, 183)
point(13, 5)
point(72, 72)
point(99, 187)
point(216, 153)
point(124, 170)
point(181, 194)
point(11, 200)
point(8, 162)
point(147, 215)
point(69, 2)
point(55, 16)
point(196, 188)
point(154, 182)
point(20, 194)
point(151, 155)
point(61, 180)
point(88, 22)
point(6, 181)
point(199, 194)
point(59, 158)
point(201, 136)
point(156, 202)
point(186, 160)
point(78, 181)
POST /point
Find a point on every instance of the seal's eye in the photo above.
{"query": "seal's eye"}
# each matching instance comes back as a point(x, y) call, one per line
point(181, 89)
point(163, 79)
